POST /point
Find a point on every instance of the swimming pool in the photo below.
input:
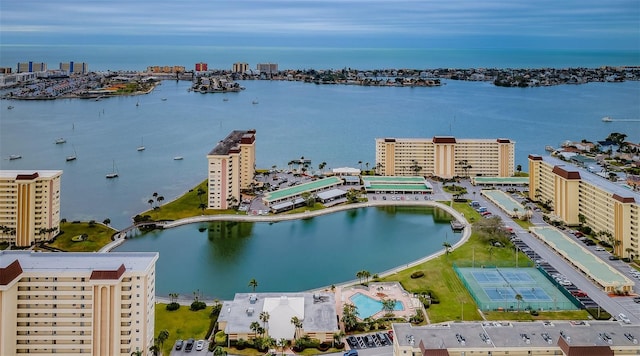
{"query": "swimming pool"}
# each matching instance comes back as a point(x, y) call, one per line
point(368, 306)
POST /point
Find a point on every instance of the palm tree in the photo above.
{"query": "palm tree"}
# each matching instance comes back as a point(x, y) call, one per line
point(321, 166)
point(159, 199)
point(173, 297)
point(337, 337)
point(150, 201)
point(253, 284)
point(200, 193)
point(163, 335)
point(155, 349)
point(519, 300)
point(447, 247)
point(297, 323)
point(360, 163)
point(264, 317)
point(106, 221)
point(202, 207)
point(349, 315)
point(255, 326)
point(388, 305)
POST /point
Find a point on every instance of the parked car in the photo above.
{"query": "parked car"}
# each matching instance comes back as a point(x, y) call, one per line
point(614, 258)
point(179, 344)
point(189, 345)
point(578, 293)
point(199, 345)
point(624, 318)
point(351, 353)
point(599, 248)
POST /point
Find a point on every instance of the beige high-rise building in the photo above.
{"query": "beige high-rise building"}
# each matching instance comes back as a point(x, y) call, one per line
point(445, 157)
point(580, 197)
point(29, 206)
point(231, 167)
point(100, 304)
point(240, 67)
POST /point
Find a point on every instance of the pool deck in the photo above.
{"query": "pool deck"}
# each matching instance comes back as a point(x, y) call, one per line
point(379, 291)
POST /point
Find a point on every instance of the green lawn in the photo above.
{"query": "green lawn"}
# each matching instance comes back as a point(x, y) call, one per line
point(181, 324)
point(98, 236)
point(185, 206)
point(440, 278)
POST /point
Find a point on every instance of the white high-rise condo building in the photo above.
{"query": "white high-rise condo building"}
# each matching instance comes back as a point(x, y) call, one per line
point(58, 303)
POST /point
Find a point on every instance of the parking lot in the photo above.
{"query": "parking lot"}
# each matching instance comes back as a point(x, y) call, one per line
point(369, 341)
point(184, 352)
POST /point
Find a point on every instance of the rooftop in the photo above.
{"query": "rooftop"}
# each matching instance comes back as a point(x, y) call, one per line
point(230, 142)
point(13, 174)
point(305, 187)
point(317, 311)
point(61, 262)
point(594, 179)
point(529, 335)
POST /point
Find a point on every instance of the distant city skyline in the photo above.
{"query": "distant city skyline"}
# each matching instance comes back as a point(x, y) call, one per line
point(585, 24)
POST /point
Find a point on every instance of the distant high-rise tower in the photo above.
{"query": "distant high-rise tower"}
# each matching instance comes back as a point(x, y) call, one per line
point(74, 67)
point(269, 68)
point(240, 67)
point(201, 67)
point(31, 67)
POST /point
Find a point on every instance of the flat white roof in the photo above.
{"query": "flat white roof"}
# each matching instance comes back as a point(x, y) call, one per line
point(11, 174)
point(58, 262)
point(328, 194)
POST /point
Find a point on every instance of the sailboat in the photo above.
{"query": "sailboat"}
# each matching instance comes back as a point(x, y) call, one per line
point(72, 157)
point(114, 173)
point(141, 147)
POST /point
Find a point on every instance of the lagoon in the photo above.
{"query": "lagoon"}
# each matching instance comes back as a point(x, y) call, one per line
point(218, 259)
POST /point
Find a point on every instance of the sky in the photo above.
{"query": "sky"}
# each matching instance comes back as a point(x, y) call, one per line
point(544, 24)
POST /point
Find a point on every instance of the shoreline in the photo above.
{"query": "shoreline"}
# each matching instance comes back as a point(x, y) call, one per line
point(466, 232)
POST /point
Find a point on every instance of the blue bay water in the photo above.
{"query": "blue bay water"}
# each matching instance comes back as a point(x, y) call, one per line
point(332, 123)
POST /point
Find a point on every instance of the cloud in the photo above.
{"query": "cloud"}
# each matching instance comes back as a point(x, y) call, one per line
point(615, 20)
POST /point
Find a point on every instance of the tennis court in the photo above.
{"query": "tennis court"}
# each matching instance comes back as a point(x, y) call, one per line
point(497, 288)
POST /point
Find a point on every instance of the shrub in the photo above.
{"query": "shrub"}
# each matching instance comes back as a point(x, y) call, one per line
point(197, 305)
point(173, 306)
point(417, 274)
point(534, 312)
point(323, 346)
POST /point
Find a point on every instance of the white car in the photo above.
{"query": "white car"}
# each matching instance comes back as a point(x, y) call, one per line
point(624, 318)
point(199, 345)
point(599, 248)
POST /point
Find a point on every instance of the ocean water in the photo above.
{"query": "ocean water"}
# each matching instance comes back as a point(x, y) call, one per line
point(335, 124)
point(139, 57)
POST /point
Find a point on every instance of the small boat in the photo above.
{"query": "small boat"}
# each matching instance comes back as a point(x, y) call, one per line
point(114, 172)
point(164, 99)
point(254, 102)
point(141, 147)
point(14, 157)
point(72, 157)
point(138, 103)
point(177, 158)
point(225, 99)
point(60, 141)
point(549, 148)
point(607, 119)
point(9, 107)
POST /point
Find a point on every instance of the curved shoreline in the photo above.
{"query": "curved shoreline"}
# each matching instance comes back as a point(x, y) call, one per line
point(466, 232)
